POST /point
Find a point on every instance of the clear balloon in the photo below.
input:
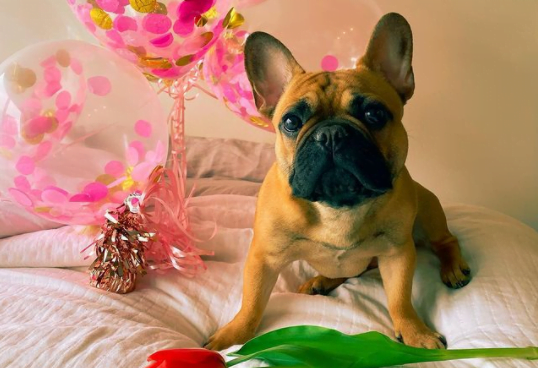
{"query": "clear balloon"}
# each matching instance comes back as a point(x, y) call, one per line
point(164, 38)
point(80, 129)
point(224, 72)
point(332, 37)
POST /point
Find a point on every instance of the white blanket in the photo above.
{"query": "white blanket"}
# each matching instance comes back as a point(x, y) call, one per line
point(51, 317)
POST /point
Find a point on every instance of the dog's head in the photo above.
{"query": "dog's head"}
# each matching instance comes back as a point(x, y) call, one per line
point(340, 139)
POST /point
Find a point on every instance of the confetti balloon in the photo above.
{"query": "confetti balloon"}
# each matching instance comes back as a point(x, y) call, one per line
point(80, 129)
point(224, 72)
point(164, 38)
point(322, 35)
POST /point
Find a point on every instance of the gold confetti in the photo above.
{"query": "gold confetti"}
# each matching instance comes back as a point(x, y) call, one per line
point(207, 36)
point(155, 63)
point(233, 19)
point(150, 77)
point(202, 21)
point(258, 121)
point(138, 50)
point(211, 14)
point(101, 18)
point(32, 140)
point(160, 8)
point(185, 60)
point(7, 154)
point(53, 121)
point(143, 6)
point(105, 179)
point(20, 78)
point(63, 58)
point(129, 182)
point(42, 209)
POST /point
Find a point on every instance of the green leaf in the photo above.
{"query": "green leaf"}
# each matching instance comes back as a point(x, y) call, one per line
point(318, 347)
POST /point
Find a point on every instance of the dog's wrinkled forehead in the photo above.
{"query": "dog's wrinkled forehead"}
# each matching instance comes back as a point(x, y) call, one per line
point(337, 94)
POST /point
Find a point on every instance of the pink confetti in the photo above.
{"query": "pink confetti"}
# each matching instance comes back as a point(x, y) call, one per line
point(115, 169)
point(54, 195)
point(81, 197)
point(183, 28)
point(156, 23)
point(91, 27)
point(62, 115)
point(52, 88)
point(99, 85)
point(21, 197)
point(22, 183)
point(115, 36)
point(108, 5)
point(63, 100)
point(7, 141)
point(329, 63)
point(76, 66)
point(171, 73)
point(8, 124)
point(52, 74)
point(143, 128)
point(43, 149)
point(119, 197)
point(25, 165)
point(132, 156)
point(96, 191)
point(37, 126)
point(123, 23)
point(141, 172)
point(49, 62)
point(139, 146)
point(163, 41)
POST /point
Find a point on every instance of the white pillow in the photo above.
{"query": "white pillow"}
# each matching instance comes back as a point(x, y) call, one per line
point(16, 220)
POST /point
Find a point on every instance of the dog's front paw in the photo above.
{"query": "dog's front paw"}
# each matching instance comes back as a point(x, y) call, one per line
point(232, 334)
point(320, 285)
point(420, 336)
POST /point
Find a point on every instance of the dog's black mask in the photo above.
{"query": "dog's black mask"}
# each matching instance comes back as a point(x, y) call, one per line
point(337, 164)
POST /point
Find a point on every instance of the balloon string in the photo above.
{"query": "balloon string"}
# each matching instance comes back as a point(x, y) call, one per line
point(207, 92)
point(164, 204)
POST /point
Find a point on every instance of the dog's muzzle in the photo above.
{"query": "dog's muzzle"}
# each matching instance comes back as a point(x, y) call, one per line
point(338, 164)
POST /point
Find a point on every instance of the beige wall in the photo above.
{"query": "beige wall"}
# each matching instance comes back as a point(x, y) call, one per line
point(473, 122)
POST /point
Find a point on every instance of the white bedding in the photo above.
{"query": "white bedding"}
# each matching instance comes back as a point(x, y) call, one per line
point(50, 316)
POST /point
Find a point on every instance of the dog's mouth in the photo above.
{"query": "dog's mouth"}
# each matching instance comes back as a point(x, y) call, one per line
point(340, 166)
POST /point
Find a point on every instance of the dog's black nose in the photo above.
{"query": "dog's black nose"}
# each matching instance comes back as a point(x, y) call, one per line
point(330, 136)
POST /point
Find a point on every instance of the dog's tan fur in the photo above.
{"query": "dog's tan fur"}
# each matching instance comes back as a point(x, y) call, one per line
point(343, 242)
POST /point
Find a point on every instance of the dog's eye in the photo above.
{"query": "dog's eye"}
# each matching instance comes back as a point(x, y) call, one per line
point(291, 123)
point(376, 116)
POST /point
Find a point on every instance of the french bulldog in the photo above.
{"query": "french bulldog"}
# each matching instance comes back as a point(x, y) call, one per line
point(339, 195)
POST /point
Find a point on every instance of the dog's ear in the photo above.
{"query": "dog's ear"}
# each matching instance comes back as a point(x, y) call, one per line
point(390, 51)
point(270, 67)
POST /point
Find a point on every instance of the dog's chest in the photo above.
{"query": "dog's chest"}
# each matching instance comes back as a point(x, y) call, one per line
point(334, 263)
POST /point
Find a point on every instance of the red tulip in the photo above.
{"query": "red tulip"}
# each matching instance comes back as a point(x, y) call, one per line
point(186, 358)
